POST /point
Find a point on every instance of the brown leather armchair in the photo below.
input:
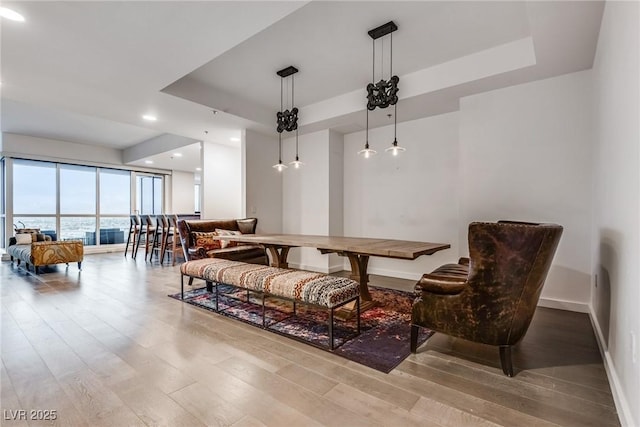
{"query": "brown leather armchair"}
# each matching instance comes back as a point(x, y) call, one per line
point(491, 296)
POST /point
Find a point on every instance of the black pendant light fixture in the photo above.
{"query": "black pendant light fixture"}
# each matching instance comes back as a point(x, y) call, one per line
point(383, 93)
point(287, 120)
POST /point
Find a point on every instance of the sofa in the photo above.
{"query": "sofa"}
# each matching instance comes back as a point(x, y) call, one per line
point(198, 242)
point(42, 250)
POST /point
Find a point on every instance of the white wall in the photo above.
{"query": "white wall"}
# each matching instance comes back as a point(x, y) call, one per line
point(413, 196)
point(221, 182)
point(616, 185)
point(156, 145)
point(62, 151)
point(305, 207)
point(182, 193)
point(336, 195)
point(263, 184)
point(525, 154)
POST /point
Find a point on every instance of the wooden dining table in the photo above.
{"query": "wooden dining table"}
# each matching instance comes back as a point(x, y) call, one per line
point(356, 249)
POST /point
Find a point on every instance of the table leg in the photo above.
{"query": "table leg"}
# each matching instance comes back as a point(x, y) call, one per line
point(359, 264)
point(278, 255)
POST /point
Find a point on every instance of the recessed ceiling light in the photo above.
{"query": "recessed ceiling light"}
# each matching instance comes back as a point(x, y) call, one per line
point(234, 139)
point(11, 14)
point(177, 154)
point(198, 169)
point(149, 162)
point(150, 117)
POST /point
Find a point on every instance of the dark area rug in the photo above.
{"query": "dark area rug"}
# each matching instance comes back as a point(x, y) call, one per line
point(382, 344)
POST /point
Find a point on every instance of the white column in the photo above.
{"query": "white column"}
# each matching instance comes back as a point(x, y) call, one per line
point(263, 184)
point(221, 183)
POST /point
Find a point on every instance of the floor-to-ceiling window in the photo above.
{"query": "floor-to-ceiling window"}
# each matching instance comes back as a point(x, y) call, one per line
point(115, 205)
point(75, 202)
point(149, 190)
point(78, 203)
point(34, 195)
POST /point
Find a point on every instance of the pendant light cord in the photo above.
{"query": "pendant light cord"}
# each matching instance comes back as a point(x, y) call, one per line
point(367, 131)
point(395, 123)
point(395, 106)
point(293, 81)
point(373, 65)
point(391, 58)
point(373, 81)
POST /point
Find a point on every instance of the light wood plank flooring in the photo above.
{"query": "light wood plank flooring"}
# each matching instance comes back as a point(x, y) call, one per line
point(108, 347)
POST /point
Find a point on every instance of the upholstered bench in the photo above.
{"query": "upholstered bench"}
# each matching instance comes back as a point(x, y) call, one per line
point(46, 253)
point(315, 289)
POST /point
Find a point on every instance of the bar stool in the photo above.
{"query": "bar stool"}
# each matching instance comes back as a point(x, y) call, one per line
point(142, 232)
point(167, 234)
point(159, 237)
point(133, 230)
point(150, 241)
point(176, 246)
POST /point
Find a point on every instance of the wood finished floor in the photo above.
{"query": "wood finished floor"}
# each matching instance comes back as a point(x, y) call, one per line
point(108, 347)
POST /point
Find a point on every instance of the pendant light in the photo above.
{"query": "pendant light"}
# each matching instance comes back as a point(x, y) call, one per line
point(297, 164)
point(287, 120)
point(383, 93)
point(280, 166)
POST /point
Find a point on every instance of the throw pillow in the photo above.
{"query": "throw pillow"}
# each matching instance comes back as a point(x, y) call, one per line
point(23, 239)
point(204, 240)
point(29, 231)
point(227, 243)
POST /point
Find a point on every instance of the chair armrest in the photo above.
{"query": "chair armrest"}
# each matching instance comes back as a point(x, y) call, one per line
point(197, 253)
point(441, 284)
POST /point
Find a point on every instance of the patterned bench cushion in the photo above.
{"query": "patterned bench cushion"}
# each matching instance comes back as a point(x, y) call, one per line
point(313, 288)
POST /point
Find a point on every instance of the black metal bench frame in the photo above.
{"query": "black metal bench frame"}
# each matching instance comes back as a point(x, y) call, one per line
point(263, 295)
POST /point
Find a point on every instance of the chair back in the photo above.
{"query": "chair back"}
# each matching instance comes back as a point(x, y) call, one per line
point(164, 220)
point(509, 262)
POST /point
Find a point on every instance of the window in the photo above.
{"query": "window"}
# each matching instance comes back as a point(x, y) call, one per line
point(77, 190)
point(78, 227)
point(73, 201)
point(34, 187)
point(115, 206)
point(149, 195)
point(44, 223)
point(115, 192)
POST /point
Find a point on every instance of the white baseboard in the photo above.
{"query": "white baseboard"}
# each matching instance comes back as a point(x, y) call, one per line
point(105, 249)
point(336, 268)
point(394, 273)
point(560, 304)
point(311, 268)
point(622, 405)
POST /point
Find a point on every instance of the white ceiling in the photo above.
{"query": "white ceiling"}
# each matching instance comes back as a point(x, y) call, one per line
point(87, 71)
point(329, 44)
